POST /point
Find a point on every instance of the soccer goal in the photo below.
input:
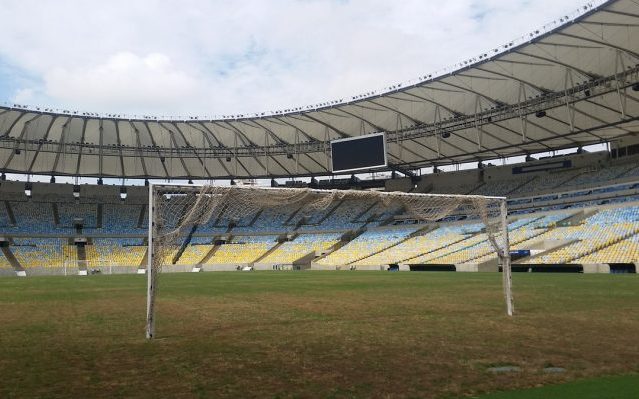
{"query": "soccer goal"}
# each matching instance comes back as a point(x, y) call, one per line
point(176, 211)
point(86, 267)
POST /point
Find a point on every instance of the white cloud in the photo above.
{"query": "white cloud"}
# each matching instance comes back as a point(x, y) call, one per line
point(220, 57)
point(23, 96)
point(126, 80)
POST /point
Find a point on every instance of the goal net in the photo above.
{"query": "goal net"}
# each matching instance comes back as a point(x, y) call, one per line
point(176, 212)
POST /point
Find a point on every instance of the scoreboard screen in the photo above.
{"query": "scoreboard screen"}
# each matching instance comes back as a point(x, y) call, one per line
point(359, 153)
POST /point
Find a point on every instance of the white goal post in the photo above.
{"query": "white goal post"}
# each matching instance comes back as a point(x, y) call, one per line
point(175, 211)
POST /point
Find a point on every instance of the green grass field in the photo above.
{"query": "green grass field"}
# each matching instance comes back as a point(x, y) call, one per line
point(319, 334)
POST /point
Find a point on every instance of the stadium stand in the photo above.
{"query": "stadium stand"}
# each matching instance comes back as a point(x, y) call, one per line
point(367, 244)
point(33, 217)
point(343, 216)
point(414, 247)
point(43, 252)
point(243, 249)
point(223, 222)
point(313, 218)
point(430, 258)
point(115, 251)
point(121, 219)
point(69, 213)
point(4, 262)
point(194, 254)
point(580, 215)
point(302, 245)
point(380, 214)
point(270, 220)
point(597, 232)
point(624, 251)
point(502, 187)
point(5, 221)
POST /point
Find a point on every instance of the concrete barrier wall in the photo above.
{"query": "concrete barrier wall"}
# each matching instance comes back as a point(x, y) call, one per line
point(281, 266)
point(596, 268)
point(43, 271)
point(222, 267)
point(7, 273)
point(270, 266)
point(51, 271)
point(262, 266)
point(177, 268)
point(369, 267)
point(476, 267)
point(73, 271)
point(315, 266)
point(121, 270)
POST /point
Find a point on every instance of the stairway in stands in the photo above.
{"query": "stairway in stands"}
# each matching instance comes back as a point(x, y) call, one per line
point(273, 249)
point(141, 217)
point(212, 251)
point(184, 244)
point(99, 216)
point(82, 257)
point(12, 259)
point(10, 214)
point(424, 230)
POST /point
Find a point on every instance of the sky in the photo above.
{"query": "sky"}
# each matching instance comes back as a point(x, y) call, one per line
point(206, 58)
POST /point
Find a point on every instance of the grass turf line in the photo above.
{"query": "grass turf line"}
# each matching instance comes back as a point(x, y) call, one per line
point(311, 334)
point(611, 387)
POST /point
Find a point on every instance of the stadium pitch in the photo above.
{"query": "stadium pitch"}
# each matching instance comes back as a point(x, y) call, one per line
point(320, 334)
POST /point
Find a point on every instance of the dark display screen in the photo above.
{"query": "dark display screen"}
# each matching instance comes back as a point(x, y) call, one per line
point(359, 153)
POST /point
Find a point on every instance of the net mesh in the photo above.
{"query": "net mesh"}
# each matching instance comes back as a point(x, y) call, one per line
point(179, 210)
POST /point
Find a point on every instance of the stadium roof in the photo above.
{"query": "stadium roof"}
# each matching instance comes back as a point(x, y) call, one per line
point(571, 84)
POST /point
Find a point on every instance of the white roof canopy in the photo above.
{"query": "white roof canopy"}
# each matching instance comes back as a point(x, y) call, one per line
point(572, 86)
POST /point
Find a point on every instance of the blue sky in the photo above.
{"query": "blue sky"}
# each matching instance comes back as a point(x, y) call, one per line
point(214, 57)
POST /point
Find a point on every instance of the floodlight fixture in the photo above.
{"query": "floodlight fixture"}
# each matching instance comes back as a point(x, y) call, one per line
point(123, 193)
